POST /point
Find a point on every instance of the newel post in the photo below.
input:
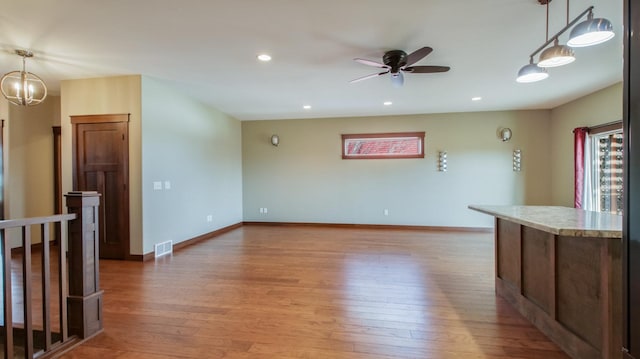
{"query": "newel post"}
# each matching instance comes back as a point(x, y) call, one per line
point(84, 303)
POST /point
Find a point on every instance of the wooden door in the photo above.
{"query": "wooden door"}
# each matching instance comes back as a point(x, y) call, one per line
point(101, 163)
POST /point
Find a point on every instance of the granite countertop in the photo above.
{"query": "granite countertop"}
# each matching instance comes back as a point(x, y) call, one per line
point(563, 221)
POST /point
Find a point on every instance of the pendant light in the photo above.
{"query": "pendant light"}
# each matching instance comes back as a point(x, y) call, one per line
point(589, 32)
point(531, 73)
point(556, 55)
point(23, 88)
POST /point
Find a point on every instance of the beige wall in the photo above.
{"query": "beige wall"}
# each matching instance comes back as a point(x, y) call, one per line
point(29, 161)
point(111, 95)
point(304, 179)
point(195, 148)
point(600, 107)
point(192, 146)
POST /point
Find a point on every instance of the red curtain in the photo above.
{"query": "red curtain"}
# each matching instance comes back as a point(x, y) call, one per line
point(579, 134)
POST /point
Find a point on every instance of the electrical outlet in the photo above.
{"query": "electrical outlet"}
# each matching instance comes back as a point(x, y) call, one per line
point(210, 218)
point(261, 210)
point(266, 210)
point(167, 185)
point(386, 212)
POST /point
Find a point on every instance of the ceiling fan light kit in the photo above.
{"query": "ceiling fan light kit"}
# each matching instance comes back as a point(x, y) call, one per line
point(398, 62)
point(587, 33)
point(397, 79)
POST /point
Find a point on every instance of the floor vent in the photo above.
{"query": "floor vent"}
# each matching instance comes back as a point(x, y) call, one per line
point(164, 248)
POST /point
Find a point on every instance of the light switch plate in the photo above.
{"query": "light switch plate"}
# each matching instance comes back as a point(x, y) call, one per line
point(157, 185)
point(167, 185)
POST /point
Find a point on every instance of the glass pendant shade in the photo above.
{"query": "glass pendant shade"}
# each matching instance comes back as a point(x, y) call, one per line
point(556, 55)
point(23, 88)
point(397, 79)
point(591, 32)
point(531, 73)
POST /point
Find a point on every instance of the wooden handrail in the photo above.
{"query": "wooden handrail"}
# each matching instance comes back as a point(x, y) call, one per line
point(79, 292)
point(21, 222)
point(25, 225)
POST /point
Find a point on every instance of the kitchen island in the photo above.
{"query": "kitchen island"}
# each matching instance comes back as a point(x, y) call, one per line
point(561, 268)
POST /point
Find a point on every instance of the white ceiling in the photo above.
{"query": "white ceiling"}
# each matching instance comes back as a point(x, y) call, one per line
point(208, 48)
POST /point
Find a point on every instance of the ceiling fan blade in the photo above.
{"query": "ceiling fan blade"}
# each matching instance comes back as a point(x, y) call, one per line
point(368, 77)
point(397, 79)
point(418, 55)
point(371, 63)
point(426, 69)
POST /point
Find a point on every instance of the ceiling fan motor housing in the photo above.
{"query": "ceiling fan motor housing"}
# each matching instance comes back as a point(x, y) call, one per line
point(395, 59)
point(396, 62)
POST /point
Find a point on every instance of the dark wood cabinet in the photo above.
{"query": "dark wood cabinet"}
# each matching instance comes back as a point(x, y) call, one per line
point(561, 269)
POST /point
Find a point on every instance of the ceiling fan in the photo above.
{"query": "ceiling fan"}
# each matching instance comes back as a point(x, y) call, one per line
point(396, 62)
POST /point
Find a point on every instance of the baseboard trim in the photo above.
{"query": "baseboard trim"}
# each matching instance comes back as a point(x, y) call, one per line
point(138, 257)
point(188, 242)
point(374, 226)
point(205, 236)
point(150, 256)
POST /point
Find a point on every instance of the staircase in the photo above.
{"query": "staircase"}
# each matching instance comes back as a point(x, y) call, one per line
point(50, 293)
point(19, 338)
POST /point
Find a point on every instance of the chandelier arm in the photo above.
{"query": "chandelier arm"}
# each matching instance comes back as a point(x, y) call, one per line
point(562, 31)
point(24, 100)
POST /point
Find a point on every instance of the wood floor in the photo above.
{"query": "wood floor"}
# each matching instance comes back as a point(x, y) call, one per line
point(307, 292)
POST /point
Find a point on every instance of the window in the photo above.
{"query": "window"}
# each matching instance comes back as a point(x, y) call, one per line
point(599, 168)
point(383, 145)
point(607, 163)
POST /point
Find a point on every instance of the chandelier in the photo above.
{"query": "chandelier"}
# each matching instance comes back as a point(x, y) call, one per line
point(23, 88)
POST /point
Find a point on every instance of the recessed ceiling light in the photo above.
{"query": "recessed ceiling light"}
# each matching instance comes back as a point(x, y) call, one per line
point(264, 57)
point(307, 107)
point(388, 103)
point(477, 98)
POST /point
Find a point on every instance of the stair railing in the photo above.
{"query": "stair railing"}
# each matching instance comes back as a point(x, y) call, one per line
point(79, 295)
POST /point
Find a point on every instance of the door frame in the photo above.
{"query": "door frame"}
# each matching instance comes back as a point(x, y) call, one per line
point(630, 224)
point(57, 178)
point(105, 118)
point(2, 179)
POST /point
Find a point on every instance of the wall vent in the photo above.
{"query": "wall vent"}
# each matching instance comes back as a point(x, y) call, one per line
point(163, 248)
